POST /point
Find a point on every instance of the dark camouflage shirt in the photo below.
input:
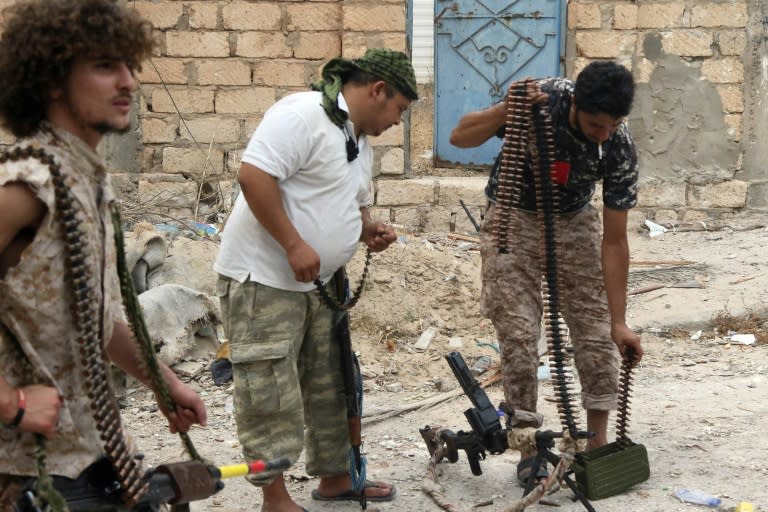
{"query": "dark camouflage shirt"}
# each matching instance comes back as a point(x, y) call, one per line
point(616, 167)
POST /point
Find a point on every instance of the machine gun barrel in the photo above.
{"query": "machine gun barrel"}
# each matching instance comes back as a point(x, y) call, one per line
point(483, 417)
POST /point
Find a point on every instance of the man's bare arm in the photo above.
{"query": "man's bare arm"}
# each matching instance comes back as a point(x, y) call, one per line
point(615, 259)
point(20, 209)
point(21, 212)
point(477, 127)
point(123, 351)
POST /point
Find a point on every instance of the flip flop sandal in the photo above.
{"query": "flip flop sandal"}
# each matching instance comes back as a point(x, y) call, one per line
point(351, 495)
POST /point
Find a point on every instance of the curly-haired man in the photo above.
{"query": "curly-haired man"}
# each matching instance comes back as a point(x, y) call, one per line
point(592, 144)
point(66, 80)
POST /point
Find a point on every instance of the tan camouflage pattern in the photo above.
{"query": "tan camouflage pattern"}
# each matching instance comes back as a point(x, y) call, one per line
point(511, 298)
point(35, 306)
point(10, 491)
point(289, 390)
point(614, 164)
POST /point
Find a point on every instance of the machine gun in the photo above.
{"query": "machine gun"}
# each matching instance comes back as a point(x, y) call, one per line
point(487, 433)
point(97, 490)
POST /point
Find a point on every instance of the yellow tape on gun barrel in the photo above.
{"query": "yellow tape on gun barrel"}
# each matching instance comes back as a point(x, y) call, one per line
point(248, 468)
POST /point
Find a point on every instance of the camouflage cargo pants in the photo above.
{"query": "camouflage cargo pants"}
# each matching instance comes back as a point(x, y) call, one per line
point(287, 376)
point(511, 298)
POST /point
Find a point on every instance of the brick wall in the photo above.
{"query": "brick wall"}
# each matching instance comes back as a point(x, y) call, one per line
point(219, 67)
point(699, 117)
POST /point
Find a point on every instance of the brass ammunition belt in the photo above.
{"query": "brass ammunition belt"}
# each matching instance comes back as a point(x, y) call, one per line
point(529, 132)
point(87, 318)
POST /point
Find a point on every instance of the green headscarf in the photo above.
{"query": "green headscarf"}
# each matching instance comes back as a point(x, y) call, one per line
point(391, 66)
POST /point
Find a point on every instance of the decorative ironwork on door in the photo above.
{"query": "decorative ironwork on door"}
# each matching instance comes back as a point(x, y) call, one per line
point(482, 46)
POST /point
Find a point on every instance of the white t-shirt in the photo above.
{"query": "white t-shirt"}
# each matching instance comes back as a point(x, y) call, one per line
point(322, 194)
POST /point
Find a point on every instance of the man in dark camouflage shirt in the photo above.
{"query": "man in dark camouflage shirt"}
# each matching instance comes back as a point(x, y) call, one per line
point(592, 144)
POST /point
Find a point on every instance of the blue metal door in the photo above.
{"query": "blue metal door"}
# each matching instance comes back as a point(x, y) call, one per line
point(481, 46)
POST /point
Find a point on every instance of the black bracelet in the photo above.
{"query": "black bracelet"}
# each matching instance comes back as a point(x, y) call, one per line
point(20, 411)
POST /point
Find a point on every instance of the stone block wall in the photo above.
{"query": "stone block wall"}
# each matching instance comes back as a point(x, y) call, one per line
point(700, 114)
point(699, 118)
point(219, 66)
point(431, 203)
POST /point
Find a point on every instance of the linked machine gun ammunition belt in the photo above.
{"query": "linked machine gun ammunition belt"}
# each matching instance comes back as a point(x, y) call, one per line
point(87, 312)
point(529, 147)
point(529, 129)
point(625, 392)
point(349, 303)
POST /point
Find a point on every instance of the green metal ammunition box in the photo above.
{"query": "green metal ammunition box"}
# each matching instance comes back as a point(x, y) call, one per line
point(611, 469)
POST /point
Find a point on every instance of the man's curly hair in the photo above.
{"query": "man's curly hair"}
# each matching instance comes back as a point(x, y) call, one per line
point(41, 38)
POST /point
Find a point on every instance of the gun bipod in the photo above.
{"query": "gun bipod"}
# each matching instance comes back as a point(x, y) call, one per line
point(545, 441)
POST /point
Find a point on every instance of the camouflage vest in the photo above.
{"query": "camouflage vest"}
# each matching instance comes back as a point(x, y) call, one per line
point(35, 303)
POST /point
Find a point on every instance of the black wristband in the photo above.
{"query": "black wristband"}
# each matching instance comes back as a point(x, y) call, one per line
point(17, 420)
point(20, 411)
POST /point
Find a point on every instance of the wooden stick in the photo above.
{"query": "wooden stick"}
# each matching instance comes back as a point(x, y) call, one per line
point(426, 403)
point(748, 278)
point(466, 238)
point(646, 289)
point(644, 263)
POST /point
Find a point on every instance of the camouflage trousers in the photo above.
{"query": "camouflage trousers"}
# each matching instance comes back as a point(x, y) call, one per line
point(511, 297)
point(289, 388)
point(10, 491)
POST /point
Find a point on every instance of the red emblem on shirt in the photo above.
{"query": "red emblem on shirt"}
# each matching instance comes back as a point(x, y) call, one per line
point(559, 171)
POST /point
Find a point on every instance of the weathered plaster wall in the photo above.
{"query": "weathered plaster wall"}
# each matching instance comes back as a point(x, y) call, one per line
point(755, 166)
point(699, 99)
point(678, 121)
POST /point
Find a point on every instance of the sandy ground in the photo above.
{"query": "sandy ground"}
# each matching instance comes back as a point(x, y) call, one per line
point(699, 403)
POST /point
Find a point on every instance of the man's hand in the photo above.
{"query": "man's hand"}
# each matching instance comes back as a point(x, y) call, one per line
point(189, 409)
point(627, 341)
point(304, 261)
point(534, 93)
point(377, 236)
point(41, 413)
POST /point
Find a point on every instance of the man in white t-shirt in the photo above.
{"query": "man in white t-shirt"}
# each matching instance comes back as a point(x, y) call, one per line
point(300, 215)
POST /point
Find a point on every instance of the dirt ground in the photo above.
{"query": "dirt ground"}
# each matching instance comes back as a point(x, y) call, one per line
point(698, 404)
